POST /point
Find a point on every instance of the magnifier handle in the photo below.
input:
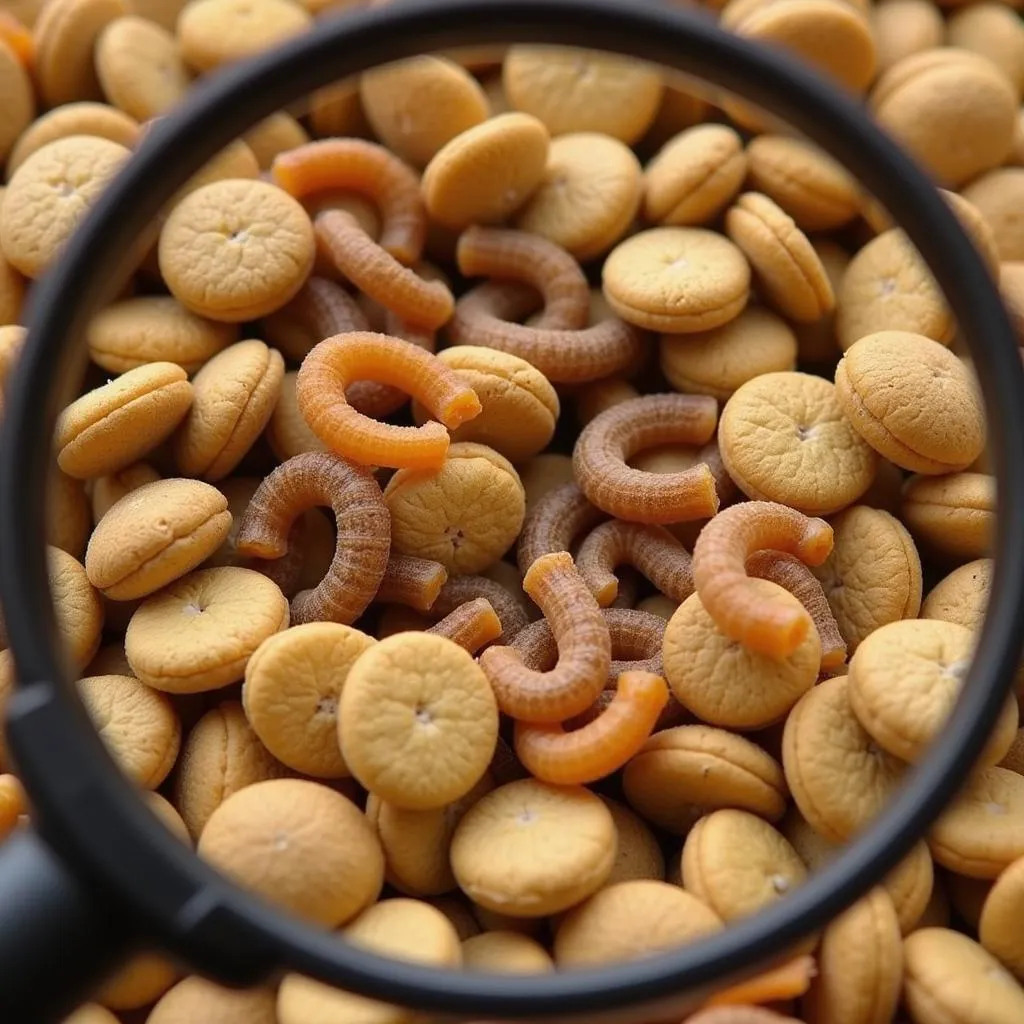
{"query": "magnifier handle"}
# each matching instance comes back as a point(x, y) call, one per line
point(58, 941)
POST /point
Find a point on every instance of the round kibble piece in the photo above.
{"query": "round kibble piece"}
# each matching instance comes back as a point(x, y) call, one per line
point(505, 953)
point(494, 849)
point(953, 515)
point(49, 195)
point(630, 920)
point(292, 687)
point(487, 172)
point(417, 721)
point(676, 280)
point(998, 927)
point(998, 196)
point(993, 31)
point(237, 249)
point(196, 999)
point(19, 103)
point(913, 401)
point(198, 633)
point(155, 534)
point(784, 437)
point(905, 27)
point(300, 845)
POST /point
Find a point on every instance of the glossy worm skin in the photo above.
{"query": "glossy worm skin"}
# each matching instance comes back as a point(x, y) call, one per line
point(611, 439)
point(333, 365)
point(472, 625)
point(584, 649)
point(558, 343)
point(13, 804)
point(342, 240)
point(720, 572)
point(364, 531)
point(791, 574)
point(321, 308)
point(651, 549)
point(460, 589)
point(554, 523)
point(372, 171)
point(732, 1005)
point(603, 745)
point(285, 571)
point(414, 582)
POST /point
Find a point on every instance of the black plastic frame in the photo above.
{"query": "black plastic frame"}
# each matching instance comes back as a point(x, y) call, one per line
point(91, 816)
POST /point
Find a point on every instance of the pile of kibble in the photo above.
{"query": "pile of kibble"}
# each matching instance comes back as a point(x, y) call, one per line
point(524, 515)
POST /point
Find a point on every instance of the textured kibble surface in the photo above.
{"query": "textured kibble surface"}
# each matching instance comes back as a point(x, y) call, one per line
point(527, 512)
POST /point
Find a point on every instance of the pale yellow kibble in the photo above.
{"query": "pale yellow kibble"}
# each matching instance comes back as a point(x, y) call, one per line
point(487, 172)
point(632, 920)
point(91, 1014)
point(110, 489)
point(905, 27)
point(574, 90)
point(401, 929)
point(590, 194)
point(140, 982)
point(418, 106)
point(300, 845)
point(50, 194)
point(417, 721)
point(505, 953)
point(198, 1001)
point(694, 176)
point(494, 850)
point(293, 683)
point(994, 31)
point(164, 810)
point(275, 135)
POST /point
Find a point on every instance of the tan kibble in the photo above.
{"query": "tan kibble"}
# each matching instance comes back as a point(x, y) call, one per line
point(487, 172)
point(154, 535)
point(116, 424)
point(903, 28)
point(78, 606)
point(632, 920)
point(91, 1014)
point(212, 33)
point(803, 181)
point(154, 328)
point(589, 195)
point(417, 106)
point(683, 772)
point(505, 953)
point(138, 725)
point(139, 983)
point(49, 195)
point(402, 929)
point(913, 401)
point(638, 851)
point(68, 518)
point(694, 176)
point(86, 118)
point(952, 515)
point(300, 845)
point(198, 633)
point(292, 686)
point(233, 397)
point(107, 491)
point(573, 90)
point(998, 196)
point(195, 999)
point(952, 109)
point(220, 756)
point(19, 103)
point(237, 249)
point(417, 721)
point(494, 850)
point(993, 31)
point(275, 135)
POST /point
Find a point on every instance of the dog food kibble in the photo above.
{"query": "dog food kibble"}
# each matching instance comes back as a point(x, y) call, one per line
point(523, 515)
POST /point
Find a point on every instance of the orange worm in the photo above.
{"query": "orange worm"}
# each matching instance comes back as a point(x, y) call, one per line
point(460, 589)
point(611, 439)
point(720, 572)
point(472, 625)
point(584, 649)
point(371, 170)
point(364, 531)
point(336, 363)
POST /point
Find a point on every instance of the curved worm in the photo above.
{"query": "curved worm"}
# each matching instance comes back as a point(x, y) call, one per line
point(414, 582)
point(584, 649)
point(285, 571)
point(554, 523)
point(460, 589)
point(321, 308)
point(312, 480)
point(720, 572)
point(559, 342)
point(791, 574)
point(375, 272)
point(336, 363)
point(651, 549)
point(603, 745)
point(636, 643)
point(611, 439)
point(472, 625)
point(371, 170)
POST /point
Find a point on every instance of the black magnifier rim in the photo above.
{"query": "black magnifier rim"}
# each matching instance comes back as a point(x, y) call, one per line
point(92, 815)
